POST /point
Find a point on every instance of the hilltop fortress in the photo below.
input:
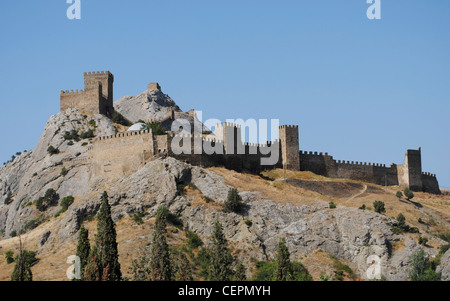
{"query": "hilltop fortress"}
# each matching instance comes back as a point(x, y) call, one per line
point(119, 155)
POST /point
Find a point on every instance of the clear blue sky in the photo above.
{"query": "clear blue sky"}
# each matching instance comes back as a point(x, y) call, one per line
point(360, 90)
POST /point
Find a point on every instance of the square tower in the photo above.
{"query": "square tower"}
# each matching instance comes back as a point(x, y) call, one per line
point(413, 162)
point(97, 96)
point(289, 142)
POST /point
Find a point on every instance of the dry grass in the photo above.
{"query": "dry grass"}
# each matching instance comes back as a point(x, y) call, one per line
point(434, 210)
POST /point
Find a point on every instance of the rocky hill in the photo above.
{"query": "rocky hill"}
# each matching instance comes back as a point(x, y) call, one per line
point(296, 208)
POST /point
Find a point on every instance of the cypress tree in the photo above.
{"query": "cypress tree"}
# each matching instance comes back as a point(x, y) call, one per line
point(83, 249)
point(92, 271)
point(184, 272)
point(160, 261)
point(106, 243)
point(221, 258)
point(284, 267)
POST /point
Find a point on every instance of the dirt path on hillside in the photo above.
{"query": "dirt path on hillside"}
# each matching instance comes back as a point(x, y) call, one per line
point(359, 193)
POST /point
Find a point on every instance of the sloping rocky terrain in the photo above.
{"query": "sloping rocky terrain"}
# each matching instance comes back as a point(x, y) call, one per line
point(308, 225)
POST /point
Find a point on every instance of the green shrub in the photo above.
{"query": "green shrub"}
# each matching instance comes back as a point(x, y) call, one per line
point(363, 207)
point(84, 144)
point(66, 202)
point(408, 194)
point(119, 119)
point(52, 151)
point(342, 268)
point(170, 217)
point(423, 240)
point(64, 172)
point(208, 199)
point(138, 218)
point(9, 199)
point(234, 201)
point(92, 123)
point(399, 195)
point(33, 223)
point(42, 203)
point(249, 223)
point(72, 135)
point(339, 275)
point(35, 174)
point(13, 233)
point(9, 255)
point(265, 271)
point(180, 189)
point(88, 134)
point(332, 205)
point(379, 207)
point(194, 240)
point(422, 269)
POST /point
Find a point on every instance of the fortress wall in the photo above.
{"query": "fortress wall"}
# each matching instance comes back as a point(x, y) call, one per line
point(430, 183)
point(119, 155)
point(71, 99)
point(314, 162)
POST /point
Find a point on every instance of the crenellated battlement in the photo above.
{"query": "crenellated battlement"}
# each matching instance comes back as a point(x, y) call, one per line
point(71, 92)
point(288, 126)
point(428, 174)
point(228, 124)
point(356, 163)
point(98, 73)
point(123, 135)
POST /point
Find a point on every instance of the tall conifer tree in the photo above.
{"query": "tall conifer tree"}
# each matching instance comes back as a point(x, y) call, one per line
point(83, 249)
point(221, 258)
point(284, 266)
point(106, 243)
point(160, 261)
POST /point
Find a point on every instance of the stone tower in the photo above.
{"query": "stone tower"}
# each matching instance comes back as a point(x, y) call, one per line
point(413, 162)
point(290, 154)
point(97, 96)
point(230, 134)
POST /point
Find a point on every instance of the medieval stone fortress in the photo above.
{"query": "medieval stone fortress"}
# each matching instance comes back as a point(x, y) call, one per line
point(124, 153)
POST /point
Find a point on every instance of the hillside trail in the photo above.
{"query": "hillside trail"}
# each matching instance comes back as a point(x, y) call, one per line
point(358, 194)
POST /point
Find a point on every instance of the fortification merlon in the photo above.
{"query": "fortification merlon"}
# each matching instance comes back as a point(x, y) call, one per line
point(71, 92)
point(428, 174)
point(288, 126)
point(228, 124)
point(98, 73)
point(357, 163)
